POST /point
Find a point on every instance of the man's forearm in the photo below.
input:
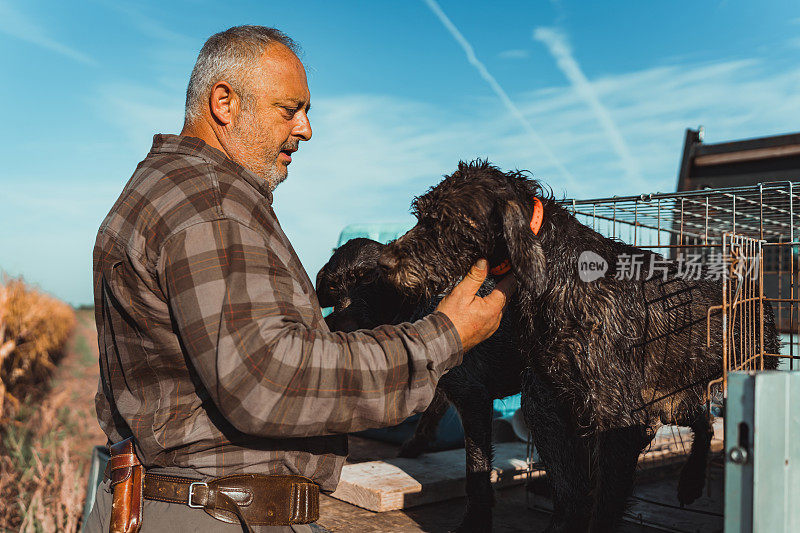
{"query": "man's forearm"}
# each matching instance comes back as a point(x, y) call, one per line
point(267, 369)
point(307, 382)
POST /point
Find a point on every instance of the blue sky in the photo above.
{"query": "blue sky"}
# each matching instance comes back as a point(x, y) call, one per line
point(593, 97)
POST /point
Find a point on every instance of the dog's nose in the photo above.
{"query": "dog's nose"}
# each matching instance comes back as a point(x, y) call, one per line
point(387, 262)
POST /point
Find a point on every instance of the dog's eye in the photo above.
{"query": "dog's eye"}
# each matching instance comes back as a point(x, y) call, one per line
point(370, 276)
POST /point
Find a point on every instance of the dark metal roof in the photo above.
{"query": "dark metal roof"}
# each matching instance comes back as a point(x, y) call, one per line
point(738, 163)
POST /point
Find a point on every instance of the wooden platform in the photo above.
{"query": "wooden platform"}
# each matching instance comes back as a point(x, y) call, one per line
point(518, 510)
point(402, 483)
point(399, 483)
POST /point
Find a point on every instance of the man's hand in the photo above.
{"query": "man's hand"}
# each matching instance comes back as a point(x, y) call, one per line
point(474, 317)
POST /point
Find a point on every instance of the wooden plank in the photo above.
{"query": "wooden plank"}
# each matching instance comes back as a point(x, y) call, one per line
point(400, 483)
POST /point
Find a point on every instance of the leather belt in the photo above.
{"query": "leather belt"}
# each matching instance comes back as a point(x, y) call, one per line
point(247, 499)
point(254, 499)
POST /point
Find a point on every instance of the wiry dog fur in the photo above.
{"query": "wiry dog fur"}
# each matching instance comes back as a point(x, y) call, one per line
point(607, 362)
point(351, 283)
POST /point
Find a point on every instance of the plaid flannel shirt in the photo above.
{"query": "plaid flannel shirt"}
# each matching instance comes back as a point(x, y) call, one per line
point(213, 351)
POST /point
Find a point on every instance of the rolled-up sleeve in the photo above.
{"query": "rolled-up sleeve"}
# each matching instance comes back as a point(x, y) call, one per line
point(238, 312)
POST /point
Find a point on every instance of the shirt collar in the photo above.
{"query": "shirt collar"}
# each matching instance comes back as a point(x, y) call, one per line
point(164, 143)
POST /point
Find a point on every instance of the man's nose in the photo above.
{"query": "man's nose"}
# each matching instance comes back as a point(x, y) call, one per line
point(302, 128)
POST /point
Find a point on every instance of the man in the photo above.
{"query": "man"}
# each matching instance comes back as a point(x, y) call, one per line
point(214, 356)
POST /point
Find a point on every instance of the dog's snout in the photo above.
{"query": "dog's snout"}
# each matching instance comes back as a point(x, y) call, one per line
point(342, 321)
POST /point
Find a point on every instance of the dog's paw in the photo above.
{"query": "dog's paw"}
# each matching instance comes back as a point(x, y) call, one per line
point(476, 522)
point(412, 449)
point(569, 524)
point(691, 483)
point(557, 527)
point(690, 487)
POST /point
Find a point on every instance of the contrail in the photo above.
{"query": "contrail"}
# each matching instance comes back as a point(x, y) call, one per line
point(16, 24)
point(559, 48)
point(512, 108)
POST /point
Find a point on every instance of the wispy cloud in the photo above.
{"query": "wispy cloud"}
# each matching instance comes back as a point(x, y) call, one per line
point(516, 53)
point(559, 8)
point(140, 111)
point(18, 25)
point(52, 245)
point(499, 91)
point(371, 154)
point(556, 42)
point(148, 26)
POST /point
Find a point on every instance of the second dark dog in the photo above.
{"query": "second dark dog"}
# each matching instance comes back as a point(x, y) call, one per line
point(351, 283)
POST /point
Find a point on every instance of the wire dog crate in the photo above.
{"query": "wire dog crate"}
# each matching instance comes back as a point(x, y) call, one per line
point(746, 237)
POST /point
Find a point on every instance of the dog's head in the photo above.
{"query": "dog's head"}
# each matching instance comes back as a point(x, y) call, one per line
point(352, 284)
point(478, 211)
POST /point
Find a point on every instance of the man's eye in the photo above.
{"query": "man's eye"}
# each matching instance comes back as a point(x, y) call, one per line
point(290, 111)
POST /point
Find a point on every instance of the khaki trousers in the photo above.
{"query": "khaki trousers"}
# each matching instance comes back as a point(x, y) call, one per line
point(158, 517)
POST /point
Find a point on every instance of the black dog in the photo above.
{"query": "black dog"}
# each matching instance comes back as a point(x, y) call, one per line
point(607, 362)
point(351, 283)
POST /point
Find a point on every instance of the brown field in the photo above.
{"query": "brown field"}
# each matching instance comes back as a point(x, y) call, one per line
point(47, 427)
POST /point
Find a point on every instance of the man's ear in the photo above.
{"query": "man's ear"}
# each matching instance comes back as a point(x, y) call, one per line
point(223, 103)
point(524, 248)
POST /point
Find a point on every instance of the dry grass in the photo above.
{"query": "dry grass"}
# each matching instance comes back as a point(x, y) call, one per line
point(33, 329)
point(40, 485)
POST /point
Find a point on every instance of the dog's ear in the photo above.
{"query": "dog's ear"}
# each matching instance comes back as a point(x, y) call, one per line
point(524, 248)
point(324, 297)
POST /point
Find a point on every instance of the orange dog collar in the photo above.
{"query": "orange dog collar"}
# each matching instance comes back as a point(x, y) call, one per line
point(500, 269)
point(536, 225)
point(538, 216)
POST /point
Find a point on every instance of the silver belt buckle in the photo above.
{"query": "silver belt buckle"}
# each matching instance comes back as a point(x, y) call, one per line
point(191, 492)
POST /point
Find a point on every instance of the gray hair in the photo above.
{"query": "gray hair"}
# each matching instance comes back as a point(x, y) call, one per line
point(230, 55)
